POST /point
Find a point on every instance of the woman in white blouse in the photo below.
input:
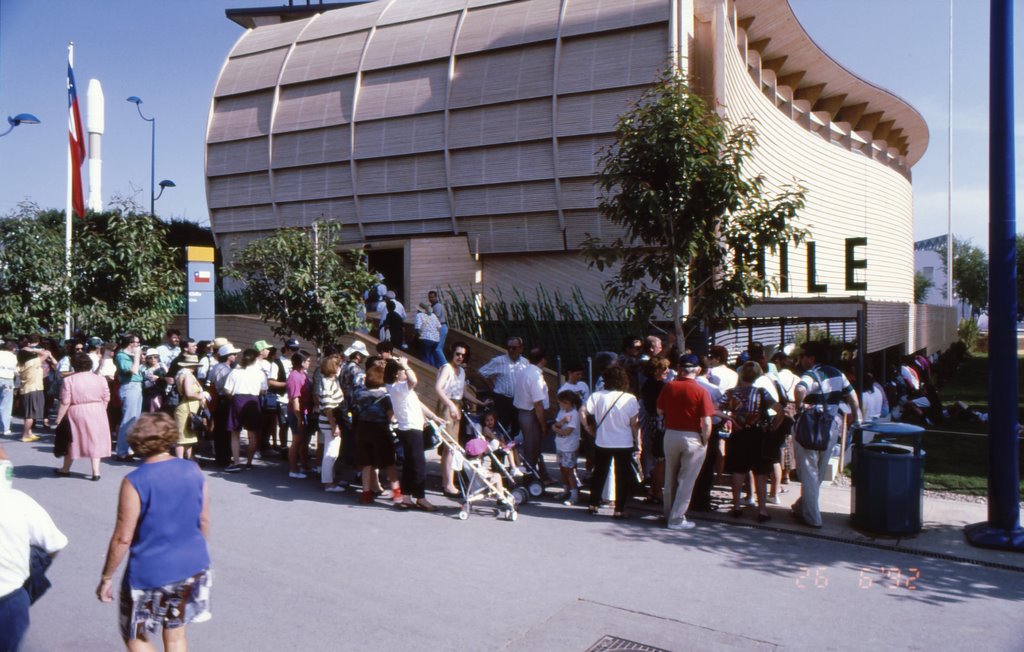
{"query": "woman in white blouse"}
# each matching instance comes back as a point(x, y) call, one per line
point(451, 392)
point(617, 436)
point(244, 385)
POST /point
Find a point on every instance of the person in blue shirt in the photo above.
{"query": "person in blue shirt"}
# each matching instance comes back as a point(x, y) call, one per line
point(163, 517)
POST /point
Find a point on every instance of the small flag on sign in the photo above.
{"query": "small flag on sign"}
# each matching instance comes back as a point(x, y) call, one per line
point(201, 277)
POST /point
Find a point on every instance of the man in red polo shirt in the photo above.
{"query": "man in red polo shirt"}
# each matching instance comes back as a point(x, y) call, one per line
point(687, 409)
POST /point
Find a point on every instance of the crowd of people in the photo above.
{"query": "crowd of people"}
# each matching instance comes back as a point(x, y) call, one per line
point(665, 423)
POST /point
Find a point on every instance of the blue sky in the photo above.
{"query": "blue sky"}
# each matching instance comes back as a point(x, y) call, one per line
point(170, 53)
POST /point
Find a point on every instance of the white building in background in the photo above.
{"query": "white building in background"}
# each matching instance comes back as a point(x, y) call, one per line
point(459, 141)
point(930, 262)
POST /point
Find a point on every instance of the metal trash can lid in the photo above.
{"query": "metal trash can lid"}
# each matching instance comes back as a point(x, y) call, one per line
point(890, 427)
point(889, 448)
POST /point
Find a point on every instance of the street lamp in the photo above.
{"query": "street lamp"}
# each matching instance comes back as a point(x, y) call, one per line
point(137, 101)
point(20, 119)
point(165, 184)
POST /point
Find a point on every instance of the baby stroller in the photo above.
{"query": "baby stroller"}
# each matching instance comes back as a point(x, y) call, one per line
point(524, 479)
point(476, 481)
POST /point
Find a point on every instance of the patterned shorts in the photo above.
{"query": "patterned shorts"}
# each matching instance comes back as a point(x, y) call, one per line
point(144, 611)
point(567, 459)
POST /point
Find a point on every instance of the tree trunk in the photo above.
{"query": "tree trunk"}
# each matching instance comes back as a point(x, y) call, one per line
point(677, 318)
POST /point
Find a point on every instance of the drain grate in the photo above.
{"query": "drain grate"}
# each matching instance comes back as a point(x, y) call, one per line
point(610, 643)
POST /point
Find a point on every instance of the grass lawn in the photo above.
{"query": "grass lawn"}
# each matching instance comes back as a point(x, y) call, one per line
point(956, 462)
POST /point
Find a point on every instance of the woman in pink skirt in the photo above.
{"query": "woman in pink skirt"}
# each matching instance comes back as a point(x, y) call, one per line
point(83, 398)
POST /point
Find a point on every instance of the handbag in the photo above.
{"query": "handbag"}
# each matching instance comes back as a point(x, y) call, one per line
point(268, 401)
point(431, 439)
point(813, 427)
point(197, 421)
point(62, 440)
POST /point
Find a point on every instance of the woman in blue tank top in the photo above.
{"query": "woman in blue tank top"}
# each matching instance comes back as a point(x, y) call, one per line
point(162, 522)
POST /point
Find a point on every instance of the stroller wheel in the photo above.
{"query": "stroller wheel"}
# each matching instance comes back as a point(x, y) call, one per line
point(463, 515)
point(513, 515)
point(520, 495)
point(536, 489)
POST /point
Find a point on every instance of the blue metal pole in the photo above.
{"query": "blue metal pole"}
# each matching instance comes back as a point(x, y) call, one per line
point(152, 166)
point(1002, 530)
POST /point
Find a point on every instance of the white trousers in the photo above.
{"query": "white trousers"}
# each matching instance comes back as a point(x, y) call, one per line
point(812, 466)
point(684, 455)
point(332, 450)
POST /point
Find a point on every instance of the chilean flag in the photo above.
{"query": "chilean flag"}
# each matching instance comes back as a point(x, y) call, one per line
point(76, 142)
point(202, 276)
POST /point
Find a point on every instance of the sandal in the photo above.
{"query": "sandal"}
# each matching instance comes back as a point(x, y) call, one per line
point(62, 473)
point(621, 515)
point(736, 512)
point(425, 506)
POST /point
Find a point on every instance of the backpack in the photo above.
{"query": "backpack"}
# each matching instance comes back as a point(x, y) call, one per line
point(813, 427)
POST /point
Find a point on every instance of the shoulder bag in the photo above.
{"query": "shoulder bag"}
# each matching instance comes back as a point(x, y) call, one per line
point(813, 427)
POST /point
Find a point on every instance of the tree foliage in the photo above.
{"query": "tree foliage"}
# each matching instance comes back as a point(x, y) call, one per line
point(696, 222)
point(970, 273)
point(299, 279)
point(123, 274)
point(33, 282)
point(921, 286)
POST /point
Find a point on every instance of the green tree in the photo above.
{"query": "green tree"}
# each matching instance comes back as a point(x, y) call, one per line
point(124, 274)
point(300, 279)
point(921, 286)
point(697, 224)
point(33, 279)
point(970, 273)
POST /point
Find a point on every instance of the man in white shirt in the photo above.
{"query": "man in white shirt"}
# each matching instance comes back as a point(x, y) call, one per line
point(23, 523)
point(382, 305)
point(530, 398)
point(8, 370)
point(718, 371)
point(170, 349)
point(501, 372)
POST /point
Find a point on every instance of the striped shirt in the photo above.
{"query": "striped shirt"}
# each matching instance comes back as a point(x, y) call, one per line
point(503, 370)
point(825, 385)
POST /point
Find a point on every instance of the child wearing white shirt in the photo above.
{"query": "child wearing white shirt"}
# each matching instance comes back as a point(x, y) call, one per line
point(567, 442)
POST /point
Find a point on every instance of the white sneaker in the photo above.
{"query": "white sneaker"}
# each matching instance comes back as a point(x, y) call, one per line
point(748, 501)
point(774, 500)
point(682, 525)
point(335, 489)
point(257, 456)
point(297, 475)
point(573, 498)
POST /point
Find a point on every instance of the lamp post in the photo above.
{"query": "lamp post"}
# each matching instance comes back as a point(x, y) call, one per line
point(137, 101)
point(20, 119)
point(164, 185)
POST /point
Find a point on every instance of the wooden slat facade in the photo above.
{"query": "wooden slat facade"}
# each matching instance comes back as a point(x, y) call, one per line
point(481, 124)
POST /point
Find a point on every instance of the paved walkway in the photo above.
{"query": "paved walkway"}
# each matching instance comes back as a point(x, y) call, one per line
point(297, 569)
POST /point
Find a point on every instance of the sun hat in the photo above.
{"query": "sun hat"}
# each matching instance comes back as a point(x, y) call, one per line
point(227, 349)
point(476, 447)
point(357, 347)
point(261, 345)
point(189, 360)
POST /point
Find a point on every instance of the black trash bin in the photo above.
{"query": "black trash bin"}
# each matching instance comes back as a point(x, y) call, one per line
point(888, 481)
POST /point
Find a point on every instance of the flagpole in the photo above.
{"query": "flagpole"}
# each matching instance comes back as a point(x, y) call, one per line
point(67, 220)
